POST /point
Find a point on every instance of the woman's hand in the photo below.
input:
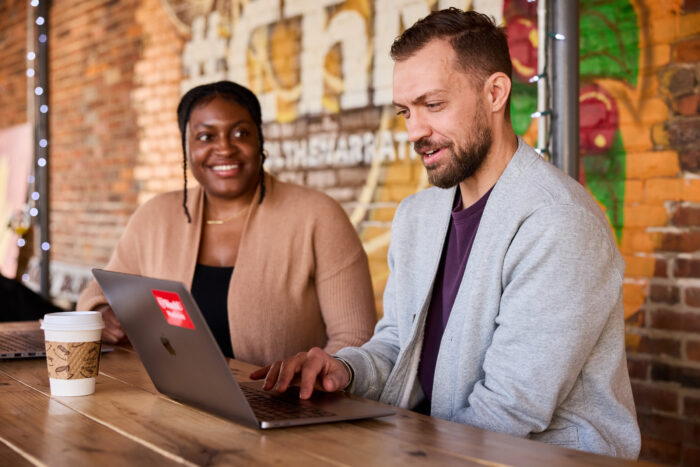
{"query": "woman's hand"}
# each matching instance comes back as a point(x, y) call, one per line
point(112, 332)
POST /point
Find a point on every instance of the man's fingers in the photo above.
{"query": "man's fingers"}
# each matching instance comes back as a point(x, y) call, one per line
point(272, 375)
point(288, 370)
point(313, 366)
point(332, 383)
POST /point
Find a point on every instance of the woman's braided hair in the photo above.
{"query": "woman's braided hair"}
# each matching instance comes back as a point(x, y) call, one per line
point(205, 93)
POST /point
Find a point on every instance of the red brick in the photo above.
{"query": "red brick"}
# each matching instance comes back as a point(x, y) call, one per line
point(661, 268)
point(664, 294)
point(659, 426)
point(675, 320)
point(652, 397)
point(658, 450)
point(659, 346)
point(691, 432)
point(691, 406)
point(689, 159)
point(686, 267)
point(638, 369)
point(681, 82)
point(692, 350)
point(692, 296)
point(687, 215)
point(683, 375)
point(687, 51)
point(687, 105)
point(691, 455)
point(682, 242)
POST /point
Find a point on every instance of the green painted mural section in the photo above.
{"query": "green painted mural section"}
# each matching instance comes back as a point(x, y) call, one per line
point(609, 48)
point(609, 42)
point(605, 178)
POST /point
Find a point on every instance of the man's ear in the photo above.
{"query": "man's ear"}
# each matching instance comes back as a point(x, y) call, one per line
point(497, 88)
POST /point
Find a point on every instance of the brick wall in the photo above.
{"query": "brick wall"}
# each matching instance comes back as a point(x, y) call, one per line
point(664, 334)
point(116, 75)
point(13, 65)
point(93, 134)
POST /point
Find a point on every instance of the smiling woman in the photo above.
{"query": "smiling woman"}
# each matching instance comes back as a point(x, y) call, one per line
point(275, 268)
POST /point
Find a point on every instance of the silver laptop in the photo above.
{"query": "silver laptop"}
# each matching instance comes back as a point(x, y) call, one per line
point(26, 344)
point(184, 360)
point(22, 344)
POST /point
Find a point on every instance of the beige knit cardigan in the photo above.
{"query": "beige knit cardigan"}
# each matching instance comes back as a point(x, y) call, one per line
point(301, 278)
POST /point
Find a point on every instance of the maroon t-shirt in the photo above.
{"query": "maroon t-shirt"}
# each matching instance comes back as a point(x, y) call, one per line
point(455, 253)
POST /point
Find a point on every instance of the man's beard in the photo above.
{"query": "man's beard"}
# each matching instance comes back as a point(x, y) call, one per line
point(464, 162)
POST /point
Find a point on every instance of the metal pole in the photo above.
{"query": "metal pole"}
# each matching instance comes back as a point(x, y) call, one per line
point(41, 138)
point(542, 88)
point(564, 60)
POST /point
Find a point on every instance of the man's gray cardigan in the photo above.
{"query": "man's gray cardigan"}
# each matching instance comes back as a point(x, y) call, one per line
point(534, 346)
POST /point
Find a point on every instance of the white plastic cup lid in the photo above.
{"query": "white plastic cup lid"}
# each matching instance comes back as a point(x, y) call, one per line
point(73, 321)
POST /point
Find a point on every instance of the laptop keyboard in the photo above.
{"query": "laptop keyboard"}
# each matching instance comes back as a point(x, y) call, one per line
point(11, 342)
point(267, 407)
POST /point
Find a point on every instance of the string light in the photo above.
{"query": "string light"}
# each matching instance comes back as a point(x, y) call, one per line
point(536, 78)
point(37, 83)
point(558, 36)
point(539, 113)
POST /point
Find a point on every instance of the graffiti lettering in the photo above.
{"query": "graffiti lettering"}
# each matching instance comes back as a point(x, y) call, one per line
point(208, 57)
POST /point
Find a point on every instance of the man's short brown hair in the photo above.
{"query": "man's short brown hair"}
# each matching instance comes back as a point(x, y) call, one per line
point(480, 45)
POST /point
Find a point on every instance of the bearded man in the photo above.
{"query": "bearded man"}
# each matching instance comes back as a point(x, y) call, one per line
point(503, 308)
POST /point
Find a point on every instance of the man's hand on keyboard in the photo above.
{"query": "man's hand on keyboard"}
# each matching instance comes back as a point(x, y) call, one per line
point(309, 370)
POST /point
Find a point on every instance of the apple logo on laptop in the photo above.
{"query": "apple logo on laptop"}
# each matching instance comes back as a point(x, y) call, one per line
point(166, 344)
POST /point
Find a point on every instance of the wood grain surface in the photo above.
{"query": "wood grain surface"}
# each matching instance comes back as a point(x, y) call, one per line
point(127, 422)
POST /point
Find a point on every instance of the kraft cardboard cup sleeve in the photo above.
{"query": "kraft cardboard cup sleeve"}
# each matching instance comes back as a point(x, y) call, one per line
point(73, 341)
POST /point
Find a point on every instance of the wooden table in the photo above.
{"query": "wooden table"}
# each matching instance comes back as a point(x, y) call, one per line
point(127, 422)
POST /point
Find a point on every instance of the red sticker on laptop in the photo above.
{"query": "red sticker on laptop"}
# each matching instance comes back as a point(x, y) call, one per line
point(173, 309)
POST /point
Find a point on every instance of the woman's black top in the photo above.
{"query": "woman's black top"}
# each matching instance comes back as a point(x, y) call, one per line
point(210, 291)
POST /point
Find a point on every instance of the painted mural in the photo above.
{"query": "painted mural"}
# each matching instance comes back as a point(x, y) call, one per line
point(322, 72)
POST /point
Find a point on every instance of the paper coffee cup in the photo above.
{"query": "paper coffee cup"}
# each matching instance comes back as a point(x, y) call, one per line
point(73, 341)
